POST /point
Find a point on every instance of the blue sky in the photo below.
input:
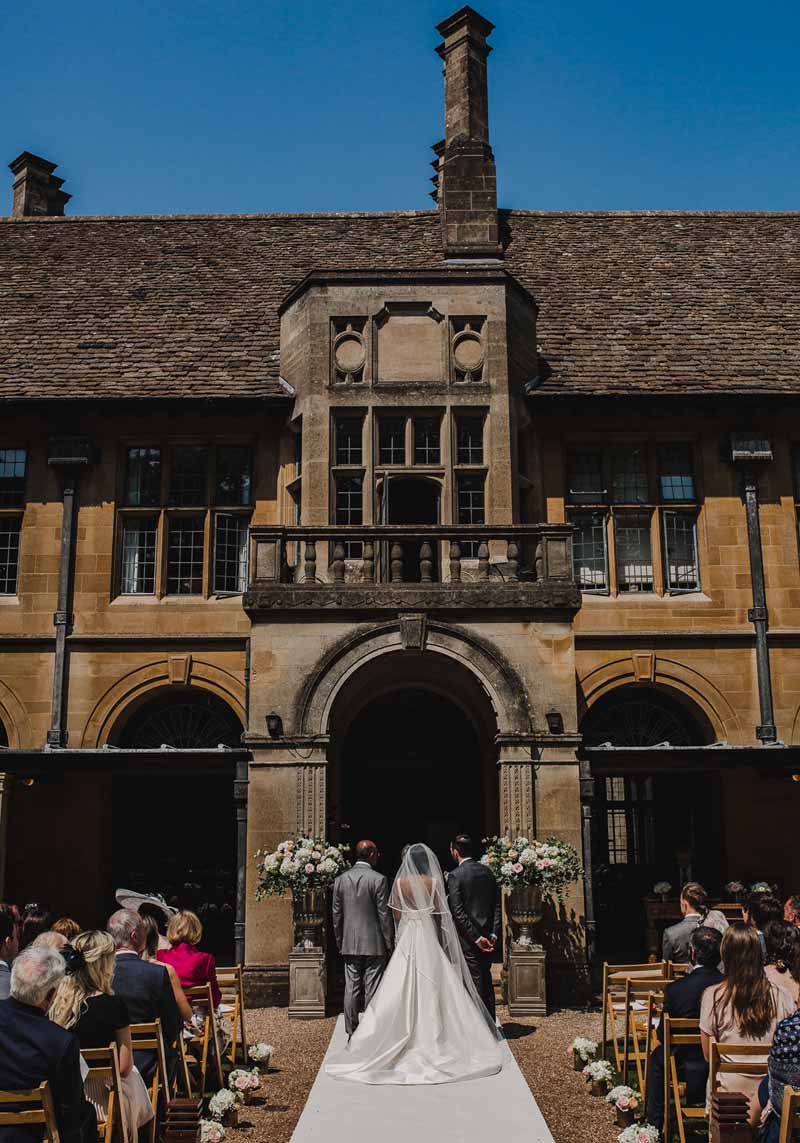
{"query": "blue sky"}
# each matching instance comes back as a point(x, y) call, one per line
point(157, 106)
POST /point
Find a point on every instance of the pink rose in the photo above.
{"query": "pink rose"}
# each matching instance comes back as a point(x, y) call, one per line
point(539, 864)
point(241, 1083)
point(309, 868)
point(512, 853)
point(546, 863)
point(517, 867)
point(623, 1103)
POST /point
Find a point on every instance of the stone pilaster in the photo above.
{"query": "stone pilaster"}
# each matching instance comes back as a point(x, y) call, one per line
point(516, 780)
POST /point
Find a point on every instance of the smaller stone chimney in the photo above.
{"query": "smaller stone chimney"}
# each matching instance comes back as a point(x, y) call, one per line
point(37, 191)
point(466, 183)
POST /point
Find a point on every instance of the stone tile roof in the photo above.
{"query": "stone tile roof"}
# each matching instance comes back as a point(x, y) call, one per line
point(187, 305)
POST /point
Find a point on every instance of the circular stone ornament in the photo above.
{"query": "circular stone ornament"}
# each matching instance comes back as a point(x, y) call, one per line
point(349, 352)
point(468, 351)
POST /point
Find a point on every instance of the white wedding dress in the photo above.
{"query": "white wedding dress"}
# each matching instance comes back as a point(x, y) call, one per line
point(426, 1024)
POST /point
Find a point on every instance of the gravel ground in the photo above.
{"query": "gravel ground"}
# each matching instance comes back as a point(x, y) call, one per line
point(540, 1046)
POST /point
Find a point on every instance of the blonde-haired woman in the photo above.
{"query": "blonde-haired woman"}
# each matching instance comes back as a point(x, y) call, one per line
point(184, 933)
point(86, 1004)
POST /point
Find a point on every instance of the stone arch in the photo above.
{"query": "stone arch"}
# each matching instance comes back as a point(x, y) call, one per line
point(132, 689)
point(686, 684)
point(501, 685)
point(14, 718)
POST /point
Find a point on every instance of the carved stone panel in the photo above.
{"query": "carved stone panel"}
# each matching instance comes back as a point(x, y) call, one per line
point(311, 795)
point(517, 812)
point(409, 344)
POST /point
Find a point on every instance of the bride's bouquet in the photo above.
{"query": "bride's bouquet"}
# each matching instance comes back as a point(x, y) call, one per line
point(299, 865)
point(519, 862)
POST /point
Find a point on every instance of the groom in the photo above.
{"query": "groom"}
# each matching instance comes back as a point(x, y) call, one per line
point(362, 925)
point(475, 905)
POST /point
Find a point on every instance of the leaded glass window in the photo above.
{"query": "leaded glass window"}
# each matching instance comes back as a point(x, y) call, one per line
point(230, 552)
point(392, 440)
point(12, 477)
point(680, 552)
point(633, 551)
point(585, 476)
point(469, 440)
point(9, 554)
point(590, 551)
point(234, 475)
point(189, 476)
point(143, 477)
point(185, 555)
point(349, 438)
point(628, 465)
point(675, 473)
point(427, 442)
point(139, 544)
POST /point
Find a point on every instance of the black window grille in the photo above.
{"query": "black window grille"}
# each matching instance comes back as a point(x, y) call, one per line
point(9, 554)
point(185, 555)
point(143, 477)
point(12, 477)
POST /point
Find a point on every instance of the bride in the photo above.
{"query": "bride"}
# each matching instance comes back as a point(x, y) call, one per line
point(426, 1024)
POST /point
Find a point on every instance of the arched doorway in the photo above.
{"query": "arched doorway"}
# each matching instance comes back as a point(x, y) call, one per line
point(654, 821)
point(3, 734)
point(174, 826)
point(412, 500)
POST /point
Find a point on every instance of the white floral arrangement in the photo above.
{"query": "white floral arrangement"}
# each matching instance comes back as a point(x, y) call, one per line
point(520, 861)
point(624, 1098)
point(598, 1071)
point(261, 1053)
point(762, 887)
point(220, 1104)
point(211, 1131)
point(734, 887)
point(639, 1133)
point(298, 865)
point(661, 888)
point(243, 1080)
point(584, 1048)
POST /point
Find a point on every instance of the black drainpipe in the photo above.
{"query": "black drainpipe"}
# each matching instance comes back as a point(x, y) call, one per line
point(240, 787)
point(587, 807)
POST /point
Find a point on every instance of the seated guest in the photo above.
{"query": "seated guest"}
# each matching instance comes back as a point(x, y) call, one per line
point(144, 987)
point(791, 909)
point(783, 957)
point(148, 905)
point(783, 1067)
point(193, 967)
point(50, 940)
point(9, 947)
point(86, 1004)
point(33, 1049)
point(761, 908)
point(35, 920)
point(68, 928)
point(149, 953)
point(694, 907)
point(682, 1000)
point(744, 1008)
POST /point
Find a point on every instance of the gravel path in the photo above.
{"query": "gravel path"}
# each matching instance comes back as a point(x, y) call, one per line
point(540, 1046)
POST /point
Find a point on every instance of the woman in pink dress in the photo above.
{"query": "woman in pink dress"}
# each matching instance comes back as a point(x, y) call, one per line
point(193, 967)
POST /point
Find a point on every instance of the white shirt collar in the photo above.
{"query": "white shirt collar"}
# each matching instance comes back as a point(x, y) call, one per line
point(364, 863)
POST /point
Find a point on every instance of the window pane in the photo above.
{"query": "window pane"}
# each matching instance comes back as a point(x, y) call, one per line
point(12, 477)
point(189, 483)
point(469, 440)
point(589, 552)
point(185, 556)
point(427, 446)
point(9, 555)
point(628, 474)
point(634, 555)
point(392, 440)
point(230, 553)
point(234, 477)
point(471, 509)
point(675, 472)
point(617, 827)
point(586, 484)
point(680, 549)
point(349, 510)
point(139, 534)
point(349, 435)
point(143, 478)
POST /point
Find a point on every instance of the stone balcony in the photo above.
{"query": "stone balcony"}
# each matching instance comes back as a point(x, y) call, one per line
point(437, 567)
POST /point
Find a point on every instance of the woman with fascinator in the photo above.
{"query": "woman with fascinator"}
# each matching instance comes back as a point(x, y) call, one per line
point(86, 1004)
point(426, 1024)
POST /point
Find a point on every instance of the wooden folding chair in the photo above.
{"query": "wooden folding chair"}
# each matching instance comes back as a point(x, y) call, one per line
point(614, 977)
point(206, 1040)
point(232, 988)
point(719, 1066)
point(676, 970)
point(149, 1038)
point(32, 1107)
point(678, 1033)
point(655, 1006)
point(636, 1032)
point(790, 1115)
point(103, 1064)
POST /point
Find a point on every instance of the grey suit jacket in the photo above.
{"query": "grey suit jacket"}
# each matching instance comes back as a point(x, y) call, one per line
point(5, 981)
point(677, 937)
point(362, 921)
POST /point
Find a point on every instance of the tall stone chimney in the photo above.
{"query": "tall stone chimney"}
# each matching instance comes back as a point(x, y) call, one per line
point(37, 191)
point(466, 183)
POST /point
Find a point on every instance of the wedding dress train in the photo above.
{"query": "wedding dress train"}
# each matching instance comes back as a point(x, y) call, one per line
point(426, 1024)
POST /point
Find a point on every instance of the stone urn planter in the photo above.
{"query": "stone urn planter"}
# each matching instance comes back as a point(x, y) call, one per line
point(308, 915)
point(525, 911)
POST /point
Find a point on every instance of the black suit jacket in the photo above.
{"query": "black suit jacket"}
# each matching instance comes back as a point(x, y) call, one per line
point(682, 1000)
point(147, 991)
point(474, 901)
point(32, 1049)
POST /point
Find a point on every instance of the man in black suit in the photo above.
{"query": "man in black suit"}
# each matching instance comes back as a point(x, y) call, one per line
point(33, 1049)
point(145, 987)
point(682, 1000)
point(475, 905)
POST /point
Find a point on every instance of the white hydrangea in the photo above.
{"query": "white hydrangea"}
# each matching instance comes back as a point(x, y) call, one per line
point(328, 865)
point(289, 866)
point(507, 869)
point(303, 855)
point(221, 1103)
point(528, 856)
point(521, 843)
point(331, 851)
point(271, 862)
point(485, 859)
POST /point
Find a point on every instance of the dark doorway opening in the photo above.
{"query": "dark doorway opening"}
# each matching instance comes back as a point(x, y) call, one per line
point(413, 769)
point(411, 500)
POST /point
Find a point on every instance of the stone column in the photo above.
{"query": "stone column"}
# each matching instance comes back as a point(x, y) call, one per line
point(516, 779)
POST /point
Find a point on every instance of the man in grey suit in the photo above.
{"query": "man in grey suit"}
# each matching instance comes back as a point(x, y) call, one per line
point(362, 925)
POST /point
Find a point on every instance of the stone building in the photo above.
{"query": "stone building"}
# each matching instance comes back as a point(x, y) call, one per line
point(397, 524)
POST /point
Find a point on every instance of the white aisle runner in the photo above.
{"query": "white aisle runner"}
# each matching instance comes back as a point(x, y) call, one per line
point(478, 1111)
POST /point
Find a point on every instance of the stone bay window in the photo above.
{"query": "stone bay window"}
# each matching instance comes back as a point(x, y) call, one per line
point(183, 519)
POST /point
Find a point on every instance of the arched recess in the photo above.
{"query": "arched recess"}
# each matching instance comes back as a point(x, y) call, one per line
point(644, 715)
point(128, 693)
point(676, 679)
point(494, 678)
point(13, 719)
point(178, 716)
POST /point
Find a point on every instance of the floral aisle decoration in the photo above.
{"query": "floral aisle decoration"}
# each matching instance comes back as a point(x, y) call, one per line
point(736, 889)
point(662, 889)
point(243, 1082)
point(626, 1103)
point(260, 1055)
point(211, 1131)
point(599, 1074)
point(583, 1051)
point(224, 1107)
point(762, 887)
point(639, 1133)
point(304, 867)
point(530, 868)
